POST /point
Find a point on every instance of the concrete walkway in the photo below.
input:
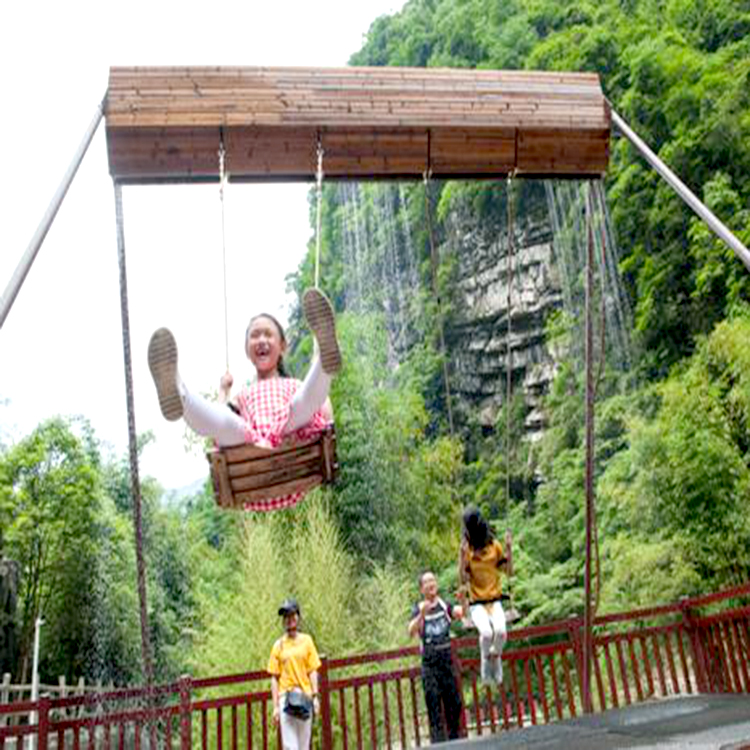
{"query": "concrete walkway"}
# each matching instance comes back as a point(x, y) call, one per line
point(700, 722)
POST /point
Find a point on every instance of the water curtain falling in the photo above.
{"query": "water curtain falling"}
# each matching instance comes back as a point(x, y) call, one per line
point(380, 271)
point(566, 202)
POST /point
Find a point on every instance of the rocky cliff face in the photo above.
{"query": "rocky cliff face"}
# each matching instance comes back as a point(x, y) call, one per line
point(382, 251)
point(483, 323)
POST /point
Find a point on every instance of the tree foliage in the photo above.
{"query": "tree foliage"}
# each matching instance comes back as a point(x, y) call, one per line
point(672, 463)
point(679, 72)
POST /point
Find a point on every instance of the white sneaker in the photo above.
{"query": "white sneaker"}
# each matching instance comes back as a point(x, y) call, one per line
point(162, 361)
point(322, 322)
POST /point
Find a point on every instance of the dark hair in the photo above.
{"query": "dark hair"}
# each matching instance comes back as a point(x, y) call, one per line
point(289, 607)
point(281, 367)
point(477, 530)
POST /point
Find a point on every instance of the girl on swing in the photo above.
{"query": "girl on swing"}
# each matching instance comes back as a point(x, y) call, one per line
point(265, 412)
point(481, 559)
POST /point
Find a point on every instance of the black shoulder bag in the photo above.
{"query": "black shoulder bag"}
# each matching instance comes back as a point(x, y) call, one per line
point(298, 704)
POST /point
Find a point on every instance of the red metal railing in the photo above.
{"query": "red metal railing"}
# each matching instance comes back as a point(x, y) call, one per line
point(699, 645)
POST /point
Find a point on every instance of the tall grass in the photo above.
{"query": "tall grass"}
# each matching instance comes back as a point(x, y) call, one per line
point(297, 553)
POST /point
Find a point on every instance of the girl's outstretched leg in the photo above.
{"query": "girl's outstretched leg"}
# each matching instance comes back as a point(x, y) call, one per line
point(322, 322)
point(310, 397)
point(205, 417)
point(209, 419)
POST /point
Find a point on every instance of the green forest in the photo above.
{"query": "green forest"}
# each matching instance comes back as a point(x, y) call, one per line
point(672, 461)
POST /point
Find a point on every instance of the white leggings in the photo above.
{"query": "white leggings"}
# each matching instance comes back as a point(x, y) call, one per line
point(295, 733)
point(218, 421)
point(489, 620)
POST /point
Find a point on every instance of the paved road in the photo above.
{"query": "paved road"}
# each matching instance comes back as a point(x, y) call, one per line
point(701, 722)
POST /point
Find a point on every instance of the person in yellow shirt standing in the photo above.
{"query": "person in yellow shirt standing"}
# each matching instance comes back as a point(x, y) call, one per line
point(480, 561)
point(293, 666)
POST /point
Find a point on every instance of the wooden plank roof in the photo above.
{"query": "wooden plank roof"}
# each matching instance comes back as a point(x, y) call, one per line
point(165, 123)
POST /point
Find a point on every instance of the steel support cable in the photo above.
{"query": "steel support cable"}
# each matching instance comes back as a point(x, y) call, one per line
point(600, 372)
point(591, 205)
point(714, 223)
point(588, 615)
point(146, 652)
point(24, 265)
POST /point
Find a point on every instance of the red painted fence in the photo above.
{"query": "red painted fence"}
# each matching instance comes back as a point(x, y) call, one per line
point(699, 645)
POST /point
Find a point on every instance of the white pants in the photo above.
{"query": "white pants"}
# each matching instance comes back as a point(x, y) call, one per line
point(295, 733)
point(489, 620)
point(218, 421)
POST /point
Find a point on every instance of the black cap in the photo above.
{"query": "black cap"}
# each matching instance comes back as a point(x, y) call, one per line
point(288, 607)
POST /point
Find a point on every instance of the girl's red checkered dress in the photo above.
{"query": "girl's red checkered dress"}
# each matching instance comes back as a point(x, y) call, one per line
point(264, 405)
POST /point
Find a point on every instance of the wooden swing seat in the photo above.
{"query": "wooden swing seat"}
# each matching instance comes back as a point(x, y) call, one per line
point(248, 474)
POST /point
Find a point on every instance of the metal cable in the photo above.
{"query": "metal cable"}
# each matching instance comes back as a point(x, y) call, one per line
point(509, 332)
point(591, 542)
point(24, 265)
point(222, 180)
point(319, 209)
point(509, 369)
point(135, 483)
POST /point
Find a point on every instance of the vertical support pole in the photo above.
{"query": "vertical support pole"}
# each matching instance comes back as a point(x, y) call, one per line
point(326, 730)
point(575, 626)
point(135, 483)
point(588, 612)
point(5, 697)
point(458, 676)
point(35, 675)
point(186, 712)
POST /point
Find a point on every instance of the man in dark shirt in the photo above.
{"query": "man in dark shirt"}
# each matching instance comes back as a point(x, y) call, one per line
point(431, 621)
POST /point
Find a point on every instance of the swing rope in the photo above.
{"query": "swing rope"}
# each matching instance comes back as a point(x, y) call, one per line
point(222, 180)
point(509, 332)
point(510, 220)
point(434, 263)
point(262, 479)
point(319, 210)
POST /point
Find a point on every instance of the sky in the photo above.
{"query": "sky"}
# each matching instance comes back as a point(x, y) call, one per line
point(61, 344)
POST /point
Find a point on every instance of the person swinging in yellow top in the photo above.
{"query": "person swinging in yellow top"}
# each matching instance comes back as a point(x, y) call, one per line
point(480, 561)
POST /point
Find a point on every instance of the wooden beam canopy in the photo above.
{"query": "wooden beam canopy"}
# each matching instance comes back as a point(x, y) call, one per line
point(164, 124)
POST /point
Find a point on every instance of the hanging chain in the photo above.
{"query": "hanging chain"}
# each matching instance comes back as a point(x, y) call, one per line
point(222, 180)
point(319, 207)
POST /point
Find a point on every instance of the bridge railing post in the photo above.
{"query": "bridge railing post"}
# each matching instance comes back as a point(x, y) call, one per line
point(186, 712)
point(575, 634)
point(42, 729)
point(696, 646)
point(326, 730)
